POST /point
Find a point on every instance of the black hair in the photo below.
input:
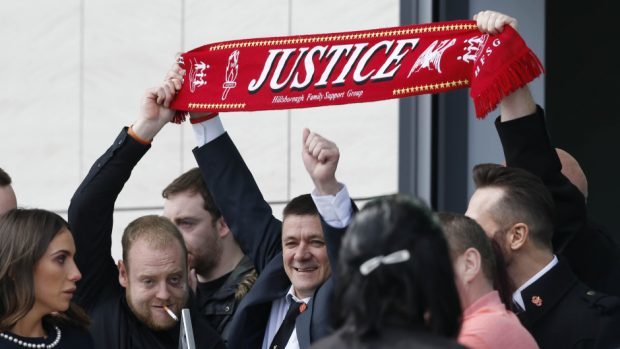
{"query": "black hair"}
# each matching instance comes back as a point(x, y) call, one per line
point(419, 293)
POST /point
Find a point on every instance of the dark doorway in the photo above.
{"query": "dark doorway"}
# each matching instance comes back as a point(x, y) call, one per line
point(582, 94)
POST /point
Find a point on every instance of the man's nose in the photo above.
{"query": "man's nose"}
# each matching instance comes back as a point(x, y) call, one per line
point(162, 291)
point(302, 253)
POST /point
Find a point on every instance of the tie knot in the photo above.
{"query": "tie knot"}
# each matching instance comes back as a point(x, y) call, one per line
point(288, 324)
point(295, 308)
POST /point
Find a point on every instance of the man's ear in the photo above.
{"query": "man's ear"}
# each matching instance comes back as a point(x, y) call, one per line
point(222, 227)
point(517, 236)
point(123, 277)
point(472, 262)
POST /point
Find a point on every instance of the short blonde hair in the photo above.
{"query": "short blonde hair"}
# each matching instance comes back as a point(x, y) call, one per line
point(157, 231)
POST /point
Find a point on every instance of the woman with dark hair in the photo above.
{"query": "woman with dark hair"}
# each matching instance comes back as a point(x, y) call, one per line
point(394, 281)
point(37, 281)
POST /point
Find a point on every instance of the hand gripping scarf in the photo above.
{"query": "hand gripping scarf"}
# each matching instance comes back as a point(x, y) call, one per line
point(352, 67)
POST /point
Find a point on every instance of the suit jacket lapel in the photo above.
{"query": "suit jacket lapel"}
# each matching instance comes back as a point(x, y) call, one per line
point(302, 325)
point(255, 307)
point(544, 294)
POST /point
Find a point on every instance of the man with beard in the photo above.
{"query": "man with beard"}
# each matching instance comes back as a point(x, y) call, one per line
point(223, 273)
point(153, 274)
point(516, 205)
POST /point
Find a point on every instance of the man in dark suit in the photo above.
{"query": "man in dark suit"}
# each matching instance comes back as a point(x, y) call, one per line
point(291, 257)
point(153, 275)
point(514, 206)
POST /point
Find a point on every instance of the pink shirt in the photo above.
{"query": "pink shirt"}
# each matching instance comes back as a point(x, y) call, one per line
point(488, 325)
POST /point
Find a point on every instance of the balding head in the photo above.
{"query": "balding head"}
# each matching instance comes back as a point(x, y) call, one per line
point(572, 170)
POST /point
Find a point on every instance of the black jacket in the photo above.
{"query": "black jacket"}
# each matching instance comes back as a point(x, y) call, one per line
point(99, 292)
point(592, 254)
point(259, 234)
point(220, 306)
point(562, 312)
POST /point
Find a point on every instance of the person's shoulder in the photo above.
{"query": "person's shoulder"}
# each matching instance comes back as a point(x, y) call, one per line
point(495, 319)
point(586, 311)
point(494, 329)
point(598, 302)
point(76, 337)
point(205, 335)
point(390, 338)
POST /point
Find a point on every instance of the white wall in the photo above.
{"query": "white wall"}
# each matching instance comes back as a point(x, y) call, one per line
point(73, 73)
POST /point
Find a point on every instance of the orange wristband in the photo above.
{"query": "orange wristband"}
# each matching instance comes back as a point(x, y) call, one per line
point(137, 138)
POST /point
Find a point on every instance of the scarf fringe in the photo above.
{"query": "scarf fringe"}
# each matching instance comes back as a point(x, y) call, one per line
point(179, 117)
point(523, 69)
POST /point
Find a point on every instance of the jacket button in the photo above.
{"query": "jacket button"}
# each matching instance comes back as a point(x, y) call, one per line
point(590, 293)
point(227, 308)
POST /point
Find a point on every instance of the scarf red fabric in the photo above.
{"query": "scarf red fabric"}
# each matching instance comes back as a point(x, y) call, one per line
point(352, 67)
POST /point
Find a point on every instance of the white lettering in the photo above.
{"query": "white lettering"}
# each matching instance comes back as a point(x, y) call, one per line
point(395, 57)
point(357, 74)
point(355, 93)
point(309, 65)
point(254, 84)
point(359, 48)
point(274, 84)
point(337, 52)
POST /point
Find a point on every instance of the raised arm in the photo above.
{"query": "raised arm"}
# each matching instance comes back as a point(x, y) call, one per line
point(526, 144)
point(92, 206)
point(236, 193)
point(320, 157)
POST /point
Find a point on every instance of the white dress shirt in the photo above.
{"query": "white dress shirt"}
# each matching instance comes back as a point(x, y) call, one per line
point(279, 308)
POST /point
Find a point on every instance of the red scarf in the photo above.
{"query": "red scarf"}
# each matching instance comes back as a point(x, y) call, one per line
point(327, 69)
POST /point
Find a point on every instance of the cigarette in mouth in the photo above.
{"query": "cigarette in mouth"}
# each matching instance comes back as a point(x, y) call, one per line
point(171, 313)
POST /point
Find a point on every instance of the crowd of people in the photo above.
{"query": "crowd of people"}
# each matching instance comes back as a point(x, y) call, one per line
point(521, 268)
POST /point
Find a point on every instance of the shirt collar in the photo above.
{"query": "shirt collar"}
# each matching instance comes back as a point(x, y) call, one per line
point(291, 295)
point(516, 296)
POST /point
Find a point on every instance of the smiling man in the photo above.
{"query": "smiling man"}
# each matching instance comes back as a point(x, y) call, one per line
point(303, 246)
point(288, 306)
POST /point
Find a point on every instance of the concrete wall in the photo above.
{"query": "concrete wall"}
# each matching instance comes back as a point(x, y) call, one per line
point(74, 72)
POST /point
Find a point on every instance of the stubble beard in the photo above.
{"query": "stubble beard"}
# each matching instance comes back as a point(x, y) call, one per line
point(145, 315)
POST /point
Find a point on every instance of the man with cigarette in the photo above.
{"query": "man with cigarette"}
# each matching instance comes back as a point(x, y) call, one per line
point(142, 309)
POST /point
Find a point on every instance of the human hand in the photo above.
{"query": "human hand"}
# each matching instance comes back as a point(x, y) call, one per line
point(491, 22)
point(320, 157)
point(155, 111)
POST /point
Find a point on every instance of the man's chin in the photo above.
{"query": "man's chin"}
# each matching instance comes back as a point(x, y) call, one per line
point(149, 320)
point(161, 327)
